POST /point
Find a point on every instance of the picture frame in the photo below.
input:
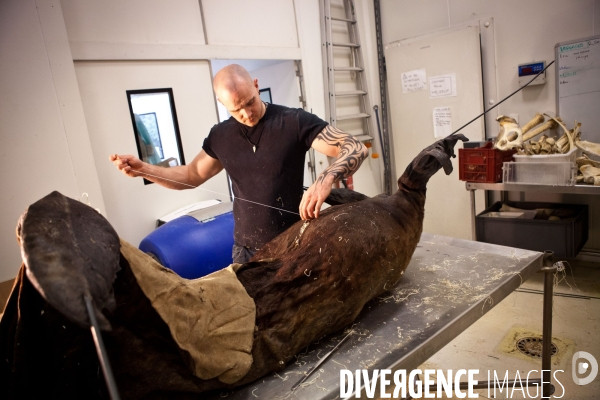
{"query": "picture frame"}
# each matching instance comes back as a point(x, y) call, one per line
point(265, 95)
point(155, 127)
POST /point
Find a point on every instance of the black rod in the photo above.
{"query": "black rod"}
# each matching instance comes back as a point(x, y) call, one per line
point(386, 160)
point(503, 100)
point(101, 350)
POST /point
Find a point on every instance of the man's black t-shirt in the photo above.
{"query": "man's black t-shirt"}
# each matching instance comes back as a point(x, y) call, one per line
point(273, 175)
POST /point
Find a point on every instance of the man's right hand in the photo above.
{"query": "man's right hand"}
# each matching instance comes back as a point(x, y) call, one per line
point(202, 168)
point(127, 164)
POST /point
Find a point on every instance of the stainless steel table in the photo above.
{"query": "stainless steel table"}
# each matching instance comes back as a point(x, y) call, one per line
point(448, 285)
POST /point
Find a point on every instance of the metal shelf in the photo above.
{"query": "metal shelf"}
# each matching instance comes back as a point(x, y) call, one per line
point(516, 187)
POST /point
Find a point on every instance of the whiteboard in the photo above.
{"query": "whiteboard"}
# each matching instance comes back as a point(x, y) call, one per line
point(578, 85)
point(415, 68)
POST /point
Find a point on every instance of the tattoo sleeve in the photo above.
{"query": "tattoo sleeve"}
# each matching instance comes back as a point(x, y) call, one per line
point(351, 155)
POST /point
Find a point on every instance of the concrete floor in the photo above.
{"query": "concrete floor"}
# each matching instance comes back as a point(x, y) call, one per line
point(489, 344)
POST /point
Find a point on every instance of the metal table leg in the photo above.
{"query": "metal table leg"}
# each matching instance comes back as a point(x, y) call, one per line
point(548, 269)
point(473, 214)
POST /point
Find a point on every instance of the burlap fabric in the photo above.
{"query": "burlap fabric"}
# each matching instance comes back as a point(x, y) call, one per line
point(211, 318)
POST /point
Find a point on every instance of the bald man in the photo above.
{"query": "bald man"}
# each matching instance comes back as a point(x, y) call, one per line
point(263, 148)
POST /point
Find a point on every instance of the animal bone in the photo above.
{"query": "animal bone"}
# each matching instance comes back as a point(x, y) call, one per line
point(588, 147)
point(589, 171)
point(506, 138)
point(585, 160)
point(542, 128)
point(546, 149)
point(559, 121)
point(538, 119)
point(577, 132)
point(562, 141)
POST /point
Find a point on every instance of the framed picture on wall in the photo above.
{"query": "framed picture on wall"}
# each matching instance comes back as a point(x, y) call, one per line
point(155, 127)
point(265, 95)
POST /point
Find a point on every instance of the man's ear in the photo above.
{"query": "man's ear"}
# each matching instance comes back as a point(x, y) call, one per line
point(255, 81)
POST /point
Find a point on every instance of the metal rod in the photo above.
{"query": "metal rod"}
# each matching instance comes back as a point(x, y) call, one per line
point(549, 269)
point(503, 100)
point(101, 350)
point(383, 95)
point(322, 360)
point(386, 160)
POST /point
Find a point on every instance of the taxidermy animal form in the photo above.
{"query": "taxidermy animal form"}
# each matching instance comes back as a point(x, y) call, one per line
point(312, 280)
point(310, 284)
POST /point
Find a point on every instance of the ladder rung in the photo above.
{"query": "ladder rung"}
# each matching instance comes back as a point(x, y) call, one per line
point(346, 45)
point(348, 69)
point(363, 138)
point(352, 116)
point(343, 20)
point(351, 93)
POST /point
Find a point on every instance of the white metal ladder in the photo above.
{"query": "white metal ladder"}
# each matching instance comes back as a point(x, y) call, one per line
point(346, 82)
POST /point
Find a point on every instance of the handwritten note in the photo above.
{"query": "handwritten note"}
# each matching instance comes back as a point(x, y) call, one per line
point(442, 86)
point(413, 81)
point(442, 121)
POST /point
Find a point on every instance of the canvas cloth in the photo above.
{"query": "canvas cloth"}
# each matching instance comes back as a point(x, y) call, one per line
point(211, 318)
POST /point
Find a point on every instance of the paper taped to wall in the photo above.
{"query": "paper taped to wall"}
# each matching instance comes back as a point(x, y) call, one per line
point(413, 81)
point(442, 86)
point(442, 122)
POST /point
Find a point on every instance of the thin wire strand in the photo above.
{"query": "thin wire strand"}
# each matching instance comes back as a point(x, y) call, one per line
point(212, 191)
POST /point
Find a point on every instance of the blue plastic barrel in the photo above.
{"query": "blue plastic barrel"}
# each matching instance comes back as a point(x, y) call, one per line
point(196, 244)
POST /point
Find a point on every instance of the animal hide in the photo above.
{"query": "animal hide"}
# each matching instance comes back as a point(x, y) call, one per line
point(310, 281)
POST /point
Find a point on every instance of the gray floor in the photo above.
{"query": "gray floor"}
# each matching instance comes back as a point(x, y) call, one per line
point(490, 344)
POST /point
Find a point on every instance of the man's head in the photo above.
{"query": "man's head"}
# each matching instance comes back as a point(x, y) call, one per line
point(236, 90)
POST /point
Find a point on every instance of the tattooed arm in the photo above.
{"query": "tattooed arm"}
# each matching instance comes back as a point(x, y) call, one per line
point(349, 154)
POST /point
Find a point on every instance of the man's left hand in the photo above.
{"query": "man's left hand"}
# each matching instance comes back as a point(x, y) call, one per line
point(315, 195)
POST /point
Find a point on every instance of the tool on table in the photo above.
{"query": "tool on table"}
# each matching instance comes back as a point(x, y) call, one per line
point(322, 360)
point(101, 350)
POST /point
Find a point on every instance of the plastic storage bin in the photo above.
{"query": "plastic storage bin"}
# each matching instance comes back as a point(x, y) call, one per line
point(548, 173)
point(571, 156)
point(483, 164)
point(196, 244)
point(565, 237)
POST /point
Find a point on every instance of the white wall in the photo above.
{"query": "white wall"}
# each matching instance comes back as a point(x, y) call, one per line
point(133, 21)
point(131, 206)
point(282, 80)
point(44, 139)
point(250, 23)
point(524, 31)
